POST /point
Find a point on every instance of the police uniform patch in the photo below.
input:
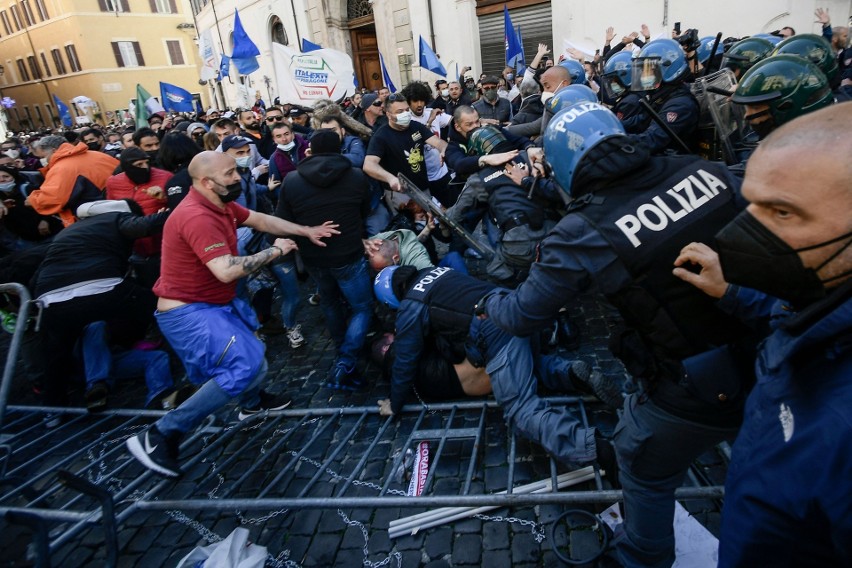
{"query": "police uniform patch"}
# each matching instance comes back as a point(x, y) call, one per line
point(671, 116)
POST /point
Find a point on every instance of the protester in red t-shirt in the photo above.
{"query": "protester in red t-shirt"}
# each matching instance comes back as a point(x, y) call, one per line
point(210, 329)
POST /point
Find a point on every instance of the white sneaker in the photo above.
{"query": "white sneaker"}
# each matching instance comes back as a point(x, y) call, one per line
point(294, 334)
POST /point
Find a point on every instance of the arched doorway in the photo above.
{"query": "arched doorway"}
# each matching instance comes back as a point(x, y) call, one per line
point(365, 48)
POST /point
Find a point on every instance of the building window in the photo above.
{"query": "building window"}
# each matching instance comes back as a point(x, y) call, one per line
point(52, 116)
point(16, 16)
point(28, 12)
point(71, 54)
point(42, 10)
point(38, 115)
point(46, 66)
point(128, 54)
point(197, 6)
point(358, 8)
point(163, 6)
point(279, 34)
point(5, 17)
point(114, 5)
point(22, 69)
point(58, 62)
point(34, 68)
point(175, 52)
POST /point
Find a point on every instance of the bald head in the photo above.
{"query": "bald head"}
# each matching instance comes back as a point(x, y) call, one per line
point(208, 164)
point(555, 78)
point(824, 132)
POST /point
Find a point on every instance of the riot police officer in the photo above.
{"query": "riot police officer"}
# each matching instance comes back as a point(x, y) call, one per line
point(437, 304)
point(617, 78)
point(660, 72)
point(631, 215)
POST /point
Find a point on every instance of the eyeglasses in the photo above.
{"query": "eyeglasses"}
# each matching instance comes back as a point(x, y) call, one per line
point(278, 118)
point(397, 98)
point(377, 104)
point(492, 88)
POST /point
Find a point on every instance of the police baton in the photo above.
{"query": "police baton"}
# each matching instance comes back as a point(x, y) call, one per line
point(713, 53)
point(662, 124)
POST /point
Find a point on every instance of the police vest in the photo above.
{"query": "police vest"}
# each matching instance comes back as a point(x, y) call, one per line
point(647, 228)
point(507, 200)
point(451, 297)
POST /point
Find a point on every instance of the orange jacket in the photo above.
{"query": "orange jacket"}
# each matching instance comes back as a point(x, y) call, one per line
point(61, 173)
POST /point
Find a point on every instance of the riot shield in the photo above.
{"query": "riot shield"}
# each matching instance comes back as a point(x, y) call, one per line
point(424, 201)
point(721, 123)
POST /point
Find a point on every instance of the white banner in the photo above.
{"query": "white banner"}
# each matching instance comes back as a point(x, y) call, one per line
point(305, 77)
point(209, 57)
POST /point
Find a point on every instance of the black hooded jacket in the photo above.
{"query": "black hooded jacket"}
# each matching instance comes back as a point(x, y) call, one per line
point(326, 187)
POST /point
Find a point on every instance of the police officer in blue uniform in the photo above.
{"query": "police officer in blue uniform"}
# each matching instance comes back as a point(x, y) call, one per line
point(631, 215)
point(660, 71)
point(437, 304)
point(617, 79)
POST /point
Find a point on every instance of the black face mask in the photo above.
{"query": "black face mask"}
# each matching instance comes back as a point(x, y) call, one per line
point(152, 154)
point(753, 256)
point(763, 128)
point(94, 146)
point(234, 190)
point(138, 175)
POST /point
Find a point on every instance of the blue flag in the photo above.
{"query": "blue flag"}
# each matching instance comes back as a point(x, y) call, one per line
point(199, 110)
point(224, 68)
point(64, 113)
point(309, 46)
point(522, 64)
point(428, 59)
point(514, 50)
point(387, 81)
point(175, 99)
point(245, 51)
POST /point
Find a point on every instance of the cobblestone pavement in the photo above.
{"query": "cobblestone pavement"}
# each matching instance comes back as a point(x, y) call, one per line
point(299, 537)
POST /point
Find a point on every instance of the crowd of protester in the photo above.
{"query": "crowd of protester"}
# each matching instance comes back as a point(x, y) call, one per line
point(698, 184)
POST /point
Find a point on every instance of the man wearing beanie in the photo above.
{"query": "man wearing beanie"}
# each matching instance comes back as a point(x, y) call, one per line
point(372, 114)
point(326, 186)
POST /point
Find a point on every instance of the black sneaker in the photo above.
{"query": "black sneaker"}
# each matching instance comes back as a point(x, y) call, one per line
point(96, 397)
point(608, 388)
point(155, 451)
point(268, 402)
point(341, 379)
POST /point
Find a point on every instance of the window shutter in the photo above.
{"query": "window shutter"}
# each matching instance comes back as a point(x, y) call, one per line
point(153, 5)
point(117, 52)
point(103, 6)
point(138, 50)
point(173, 6)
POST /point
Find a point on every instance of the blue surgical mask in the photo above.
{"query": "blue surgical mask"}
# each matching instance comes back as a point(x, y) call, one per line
point(7, 187)
point(244, 161)
point(287, 147)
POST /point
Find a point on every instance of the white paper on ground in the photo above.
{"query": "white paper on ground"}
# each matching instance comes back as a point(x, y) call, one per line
point(695, 546)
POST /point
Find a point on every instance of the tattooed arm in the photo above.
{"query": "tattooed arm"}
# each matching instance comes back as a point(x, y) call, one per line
point(228, 268)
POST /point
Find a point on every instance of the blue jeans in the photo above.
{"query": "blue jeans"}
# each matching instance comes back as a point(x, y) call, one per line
point(104, 365)
point(513, 366)
point(286, 274)
point(654, 450)
point(350, 283)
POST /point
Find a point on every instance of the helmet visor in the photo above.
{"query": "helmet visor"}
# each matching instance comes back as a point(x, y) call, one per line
point(647, 74)
point(613, 87)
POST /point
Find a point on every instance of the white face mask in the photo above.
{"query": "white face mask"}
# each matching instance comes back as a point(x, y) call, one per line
point(7, 187)
point(546, 96)
point(244, 161)
point(403, 119)
point(12, 153)
point(445, 93)
point(44, 161)
point(287, 147)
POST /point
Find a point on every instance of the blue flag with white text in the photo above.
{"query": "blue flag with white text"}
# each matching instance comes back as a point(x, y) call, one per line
point(387, 80)
point(63, 111)
point(175, 99)
point(428, 59)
